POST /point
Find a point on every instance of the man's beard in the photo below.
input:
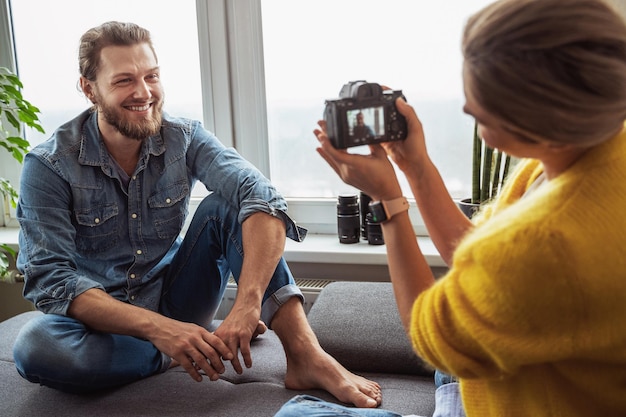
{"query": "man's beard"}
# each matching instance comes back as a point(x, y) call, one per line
point(135, 130)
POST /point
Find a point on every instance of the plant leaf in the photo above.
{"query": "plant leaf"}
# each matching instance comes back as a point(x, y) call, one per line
point(20, 142)
point(13, 92)
point(12, 119)
point(6, 189)
point(476, 157)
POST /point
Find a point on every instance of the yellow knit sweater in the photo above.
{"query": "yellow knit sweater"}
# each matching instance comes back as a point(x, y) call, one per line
point(532, 314)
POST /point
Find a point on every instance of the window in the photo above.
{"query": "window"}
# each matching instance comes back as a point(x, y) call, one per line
point(47, 34)
point(263, 72)
point(409, 45)
point(287, 57)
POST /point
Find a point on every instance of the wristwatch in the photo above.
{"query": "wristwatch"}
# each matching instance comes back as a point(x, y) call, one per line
point(383, 211)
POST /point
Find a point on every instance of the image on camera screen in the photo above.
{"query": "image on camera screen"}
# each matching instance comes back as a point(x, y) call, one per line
point(366, 123)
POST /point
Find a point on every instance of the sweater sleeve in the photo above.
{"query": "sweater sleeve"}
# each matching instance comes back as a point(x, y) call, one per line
point(492, 312)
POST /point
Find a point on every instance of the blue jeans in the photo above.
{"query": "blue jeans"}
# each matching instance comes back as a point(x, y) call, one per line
point(447, 404)
point(308, 406)
point(443, 379)
point(62, 353)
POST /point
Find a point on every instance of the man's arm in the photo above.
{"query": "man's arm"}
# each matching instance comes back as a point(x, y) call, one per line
point(187, 343)
point(263, 244)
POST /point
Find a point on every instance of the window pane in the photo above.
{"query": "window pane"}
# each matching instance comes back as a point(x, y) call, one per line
point(413, 46)
point(47, 34)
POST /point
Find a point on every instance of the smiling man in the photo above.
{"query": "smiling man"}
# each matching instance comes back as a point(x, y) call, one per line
point(102, 207)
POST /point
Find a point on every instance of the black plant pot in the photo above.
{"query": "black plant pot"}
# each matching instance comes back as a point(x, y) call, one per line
point(468, 208)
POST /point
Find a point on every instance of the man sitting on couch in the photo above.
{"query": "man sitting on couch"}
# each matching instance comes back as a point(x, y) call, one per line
point(102, 205)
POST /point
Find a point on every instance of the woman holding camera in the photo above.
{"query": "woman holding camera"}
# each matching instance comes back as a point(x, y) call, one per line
point(530, 316)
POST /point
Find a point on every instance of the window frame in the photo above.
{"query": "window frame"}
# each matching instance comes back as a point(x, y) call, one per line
point(233, 82)
point(10, 169)
point(233, 96)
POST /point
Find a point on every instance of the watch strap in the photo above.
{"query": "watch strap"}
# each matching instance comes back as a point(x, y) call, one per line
point(395, 206)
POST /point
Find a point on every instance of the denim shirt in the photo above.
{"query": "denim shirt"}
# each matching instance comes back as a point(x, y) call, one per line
point(81, 228)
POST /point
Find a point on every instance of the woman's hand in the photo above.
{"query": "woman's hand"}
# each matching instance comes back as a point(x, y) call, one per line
point(373, 174)
point(409, 154)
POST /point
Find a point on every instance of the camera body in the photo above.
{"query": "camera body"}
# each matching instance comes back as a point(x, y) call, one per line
point(364, 114)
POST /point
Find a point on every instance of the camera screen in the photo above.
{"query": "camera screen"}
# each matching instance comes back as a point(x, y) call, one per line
point(366, 123)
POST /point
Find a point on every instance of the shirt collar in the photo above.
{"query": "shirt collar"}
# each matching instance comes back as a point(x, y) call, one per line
point(93, 151)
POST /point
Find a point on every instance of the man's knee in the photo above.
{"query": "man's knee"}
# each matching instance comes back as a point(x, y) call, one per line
point(37, 347)
point(214, 205)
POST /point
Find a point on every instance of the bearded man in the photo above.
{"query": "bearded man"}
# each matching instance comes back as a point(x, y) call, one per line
point(102, 207)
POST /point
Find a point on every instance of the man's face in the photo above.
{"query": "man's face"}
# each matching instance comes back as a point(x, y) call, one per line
point(128, 92)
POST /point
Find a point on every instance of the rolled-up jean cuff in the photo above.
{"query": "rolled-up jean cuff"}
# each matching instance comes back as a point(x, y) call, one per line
point(276, 300)
point(166, 361)
point(448, 402)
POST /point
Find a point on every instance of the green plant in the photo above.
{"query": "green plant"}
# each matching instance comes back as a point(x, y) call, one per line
point(489, 170)
point(15, 112)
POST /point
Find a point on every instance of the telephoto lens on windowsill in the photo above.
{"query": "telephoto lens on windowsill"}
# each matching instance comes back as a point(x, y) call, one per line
point(364, 201)
point(348, 219)
point(374, 231)
point(371, 232)
point(354, 220)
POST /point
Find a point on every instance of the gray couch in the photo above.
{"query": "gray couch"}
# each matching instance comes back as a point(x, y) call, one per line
point(356, 322)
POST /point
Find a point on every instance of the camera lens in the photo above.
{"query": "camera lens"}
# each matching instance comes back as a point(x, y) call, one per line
point(348, 219)
point(374, 231)
point(364, 201)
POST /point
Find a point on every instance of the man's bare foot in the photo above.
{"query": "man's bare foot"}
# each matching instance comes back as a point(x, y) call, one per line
point(321, 371)
point(310, 367)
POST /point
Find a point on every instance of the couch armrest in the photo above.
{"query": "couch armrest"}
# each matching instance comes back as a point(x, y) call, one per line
point(359, 325)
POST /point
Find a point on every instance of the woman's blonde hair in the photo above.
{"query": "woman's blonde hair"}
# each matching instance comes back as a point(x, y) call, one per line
point(555, 69)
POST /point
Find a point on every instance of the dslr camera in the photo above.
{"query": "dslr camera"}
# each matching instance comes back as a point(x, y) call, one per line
point(364, 114)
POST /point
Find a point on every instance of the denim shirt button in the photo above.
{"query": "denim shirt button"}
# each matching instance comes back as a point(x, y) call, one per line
point(132, 297)
point(133, 276)
point(96, 220)
point(139, 252)
point(168, 200)
point(134, 215)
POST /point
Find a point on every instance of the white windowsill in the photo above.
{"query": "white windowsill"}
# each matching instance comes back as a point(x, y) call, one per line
point(327, 249)
point(8, 236)
point(316, 248)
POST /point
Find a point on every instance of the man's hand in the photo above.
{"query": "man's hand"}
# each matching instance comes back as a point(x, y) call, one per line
point(263, 238)
point(237, 331)
point(193, 347)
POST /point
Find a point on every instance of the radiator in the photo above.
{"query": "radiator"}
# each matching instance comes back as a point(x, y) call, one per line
point(310, 289)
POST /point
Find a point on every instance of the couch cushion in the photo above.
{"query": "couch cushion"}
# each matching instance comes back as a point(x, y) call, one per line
point(258, 392)
point(358, 323)
point(8, 331)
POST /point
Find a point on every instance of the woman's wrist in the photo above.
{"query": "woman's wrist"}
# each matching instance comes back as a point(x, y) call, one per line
point(416, 172)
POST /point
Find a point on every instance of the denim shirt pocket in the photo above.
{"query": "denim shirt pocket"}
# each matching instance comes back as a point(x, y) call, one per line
point(97, 228)
point(168, 209)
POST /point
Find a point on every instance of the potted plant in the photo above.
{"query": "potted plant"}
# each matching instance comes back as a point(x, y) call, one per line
point(15, 112)
point(489, 170)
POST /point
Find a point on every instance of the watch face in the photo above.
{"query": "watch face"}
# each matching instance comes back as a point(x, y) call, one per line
point(378, 212)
